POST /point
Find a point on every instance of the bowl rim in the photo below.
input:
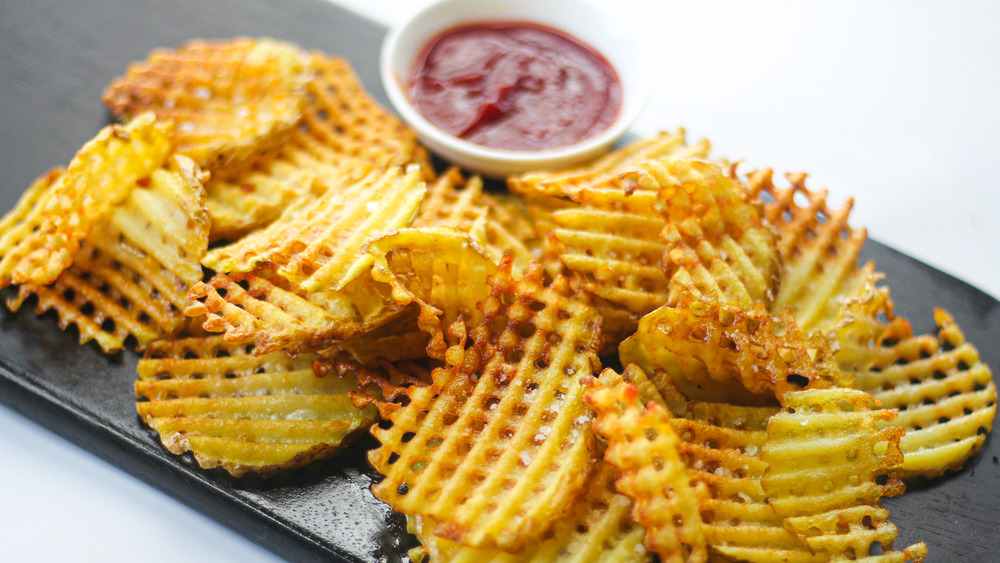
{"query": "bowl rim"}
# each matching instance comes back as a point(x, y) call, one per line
point(633, 101)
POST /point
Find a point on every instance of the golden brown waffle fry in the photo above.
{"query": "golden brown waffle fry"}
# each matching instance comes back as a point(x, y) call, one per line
point(945, 394)
point(440, 269)
point(612, 240)
point(823, 437)
point(316, 244)
point(818, 247)
point(43, 232)
point(167, 220)
point(22, 211)
point(599, 530)
point(717, 241)
point(131, 275)
point(722, 415)
point(582, 238)
point(229, 100)
point(23, 253)
point(498, 448)
point(242, 412)
point(728, 354)
point(643, 446)
point(271, 314)
point(498, 222)
point(344, 133)
point(608, 168)
point(342, 119)
point(826, 452)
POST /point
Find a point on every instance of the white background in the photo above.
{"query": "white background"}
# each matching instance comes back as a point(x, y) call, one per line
point(892, 103)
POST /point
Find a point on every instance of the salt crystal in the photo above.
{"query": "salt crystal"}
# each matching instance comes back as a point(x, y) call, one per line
point(371, 206)
point(202, 93)
point(525, 458)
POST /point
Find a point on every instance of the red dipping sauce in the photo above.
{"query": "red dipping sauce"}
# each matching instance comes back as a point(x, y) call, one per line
point(518, 86)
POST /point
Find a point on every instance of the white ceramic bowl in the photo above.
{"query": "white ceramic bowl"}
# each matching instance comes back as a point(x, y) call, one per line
point(587, 22)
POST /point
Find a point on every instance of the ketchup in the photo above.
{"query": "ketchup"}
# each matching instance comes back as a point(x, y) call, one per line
point(512, 85)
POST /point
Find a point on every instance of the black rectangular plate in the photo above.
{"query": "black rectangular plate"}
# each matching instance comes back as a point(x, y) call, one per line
point(55, 59)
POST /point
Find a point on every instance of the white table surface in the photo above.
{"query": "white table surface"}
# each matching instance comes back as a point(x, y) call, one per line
point(896, 104)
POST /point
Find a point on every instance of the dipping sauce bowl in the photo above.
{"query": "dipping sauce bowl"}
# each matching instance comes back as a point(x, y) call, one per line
point(406, 46)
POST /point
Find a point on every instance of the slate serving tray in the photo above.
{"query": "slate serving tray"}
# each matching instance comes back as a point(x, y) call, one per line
point(56, 57)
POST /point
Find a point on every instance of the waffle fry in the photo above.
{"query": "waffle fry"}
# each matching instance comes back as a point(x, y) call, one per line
point(819, 251)
point(241, 412)
point(271, 314)
point(131, 275)
point(24, 216)
point(717, 241)
point(804, 455)
point(643, 446)
point(826, 453)
point(229, 100)
point(945, 394)
point(499, 223)
point(344, 133)
point(498, 448)
point(612, 240)
point(316, 245)
point(599, 530)
point(308, 283)
point(728, 354)
point(608, 168)
point(43, 232)
point(440, 269)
